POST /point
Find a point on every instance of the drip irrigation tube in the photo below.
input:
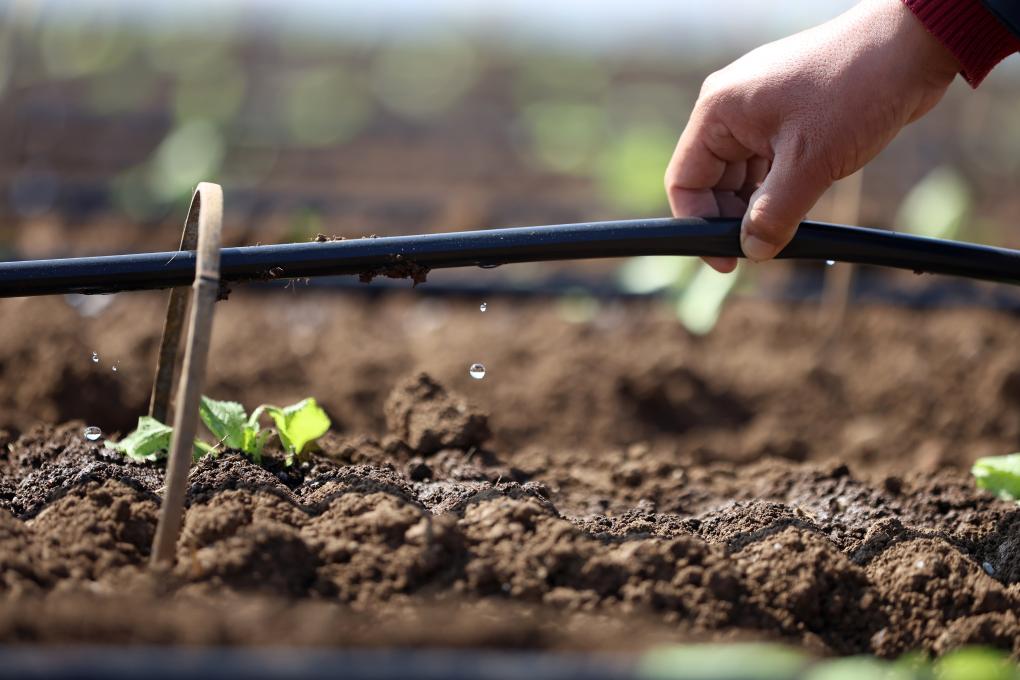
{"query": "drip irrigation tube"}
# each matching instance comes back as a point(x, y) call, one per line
point(408, 254)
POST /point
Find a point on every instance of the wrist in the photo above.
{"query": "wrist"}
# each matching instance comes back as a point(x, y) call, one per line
point(922, 50)
point(968, 31)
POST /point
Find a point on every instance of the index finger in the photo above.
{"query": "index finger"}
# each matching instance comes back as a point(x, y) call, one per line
point(704, 156)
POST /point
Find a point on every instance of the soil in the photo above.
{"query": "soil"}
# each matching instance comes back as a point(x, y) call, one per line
point(612, 484)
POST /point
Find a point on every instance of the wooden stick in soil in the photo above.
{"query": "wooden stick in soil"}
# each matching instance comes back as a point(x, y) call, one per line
point(208, 202)
point(173, 328)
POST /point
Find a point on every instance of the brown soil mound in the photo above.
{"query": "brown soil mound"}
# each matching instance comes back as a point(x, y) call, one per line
point(365, 534)
point(610, 484)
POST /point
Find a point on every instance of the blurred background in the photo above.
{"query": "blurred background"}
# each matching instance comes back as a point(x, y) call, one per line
point(399, 116)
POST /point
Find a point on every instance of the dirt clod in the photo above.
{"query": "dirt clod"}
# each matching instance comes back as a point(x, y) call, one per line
point(616, 499)
point(427, 418)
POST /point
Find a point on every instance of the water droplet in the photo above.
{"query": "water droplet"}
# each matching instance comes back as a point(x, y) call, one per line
point(92, 433)
point(482, 307)
point(829, 263)
point(477, 371)
point(95, 358)
point(489, 265)
point(116, 367)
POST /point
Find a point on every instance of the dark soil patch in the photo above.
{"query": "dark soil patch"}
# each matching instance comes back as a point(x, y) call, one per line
point(425, 521)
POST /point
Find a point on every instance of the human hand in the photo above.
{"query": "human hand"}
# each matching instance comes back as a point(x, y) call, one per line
point(774, 129)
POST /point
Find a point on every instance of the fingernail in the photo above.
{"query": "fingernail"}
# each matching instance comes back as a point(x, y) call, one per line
point(755, 248)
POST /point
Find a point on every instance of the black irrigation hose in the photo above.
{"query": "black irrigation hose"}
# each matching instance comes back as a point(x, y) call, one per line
point(409, 254)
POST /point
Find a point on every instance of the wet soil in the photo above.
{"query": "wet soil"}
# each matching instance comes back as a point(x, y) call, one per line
point(611, 484)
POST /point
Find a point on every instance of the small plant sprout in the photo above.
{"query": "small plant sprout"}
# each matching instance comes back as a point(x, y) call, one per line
point(230, 424)
point(999, 474)
point(149, 442)
point(297, 426)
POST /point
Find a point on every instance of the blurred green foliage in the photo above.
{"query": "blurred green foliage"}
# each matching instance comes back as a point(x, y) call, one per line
point(631, 168)
point(696, 291)
point(231, 102)
point(750, 661)
point(215, 93)
point(562, 76)
point(938, 206)
point(325, 105)
point(762, 661)
point(701, 301)
point(191, 152)
point(71, 50)
point(566, 136)
point(642, 275)
point(999, 474)
point(122, 90)
point(578, 306)
point(424, 80)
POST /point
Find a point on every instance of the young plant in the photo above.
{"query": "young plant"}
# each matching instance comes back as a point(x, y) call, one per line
point(149, 442)
point(297, 425)
point(999, 474)
point(230, 424)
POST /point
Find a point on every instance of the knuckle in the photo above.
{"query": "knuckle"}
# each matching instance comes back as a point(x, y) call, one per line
point(711, 83)
point(767, 225)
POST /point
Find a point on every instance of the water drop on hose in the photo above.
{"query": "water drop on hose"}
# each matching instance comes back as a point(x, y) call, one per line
point(482, 307)
point(95, 358)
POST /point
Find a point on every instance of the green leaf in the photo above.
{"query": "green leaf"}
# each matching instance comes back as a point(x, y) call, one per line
point(299, 424)
point(857, 668)
point(999, 474)
point(975, 662)
point(226, 420)
point(149, 441)
point(254, 442)
point(648, 274)
point(702, 300)
point(722, 661)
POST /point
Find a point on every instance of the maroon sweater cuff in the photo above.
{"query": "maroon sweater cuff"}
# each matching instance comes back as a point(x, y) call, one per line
point(975, 37)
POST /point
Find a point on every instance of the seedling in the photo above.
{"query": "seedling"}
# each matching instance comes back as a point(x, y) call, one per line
point(150, 441)
point(999, 474)
point(297, 426)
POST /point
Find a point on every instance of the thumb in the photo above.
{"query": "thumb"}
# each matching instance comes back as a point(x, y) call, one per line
point(775, 210)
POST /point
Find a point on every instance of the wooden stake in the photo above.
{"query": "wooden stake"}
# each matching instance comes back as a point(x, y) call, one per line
point(173, 329)
point(208, 204)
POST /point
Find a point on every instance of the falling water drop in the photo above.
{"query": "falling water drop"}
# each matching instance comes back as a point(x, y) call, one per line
point(829, 263)
point(484, 306)
point(95, 358)
point(477, 371)
point(93, 433)
point(116, 367)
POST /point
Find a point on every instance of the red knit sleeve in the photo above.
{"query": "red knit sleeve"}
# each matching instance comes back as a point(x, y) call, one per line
point(975, 37)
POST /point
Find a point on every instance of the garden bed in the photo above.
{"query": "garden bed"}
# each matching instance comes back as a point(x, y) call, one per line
point(611, 484)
